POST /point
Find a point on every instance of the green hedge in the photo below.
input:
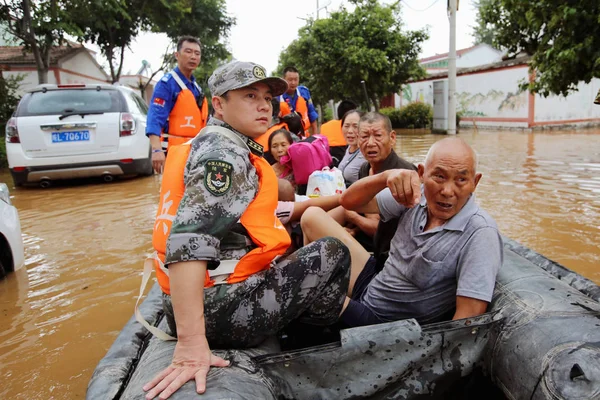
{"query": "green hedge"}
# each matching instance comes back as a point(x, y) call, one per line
point(394, 115)
point(414, 115)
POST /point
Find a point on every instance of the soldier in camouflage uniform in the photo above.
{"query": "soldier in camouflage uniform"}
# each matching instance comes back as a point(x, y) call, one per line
point(309, 285)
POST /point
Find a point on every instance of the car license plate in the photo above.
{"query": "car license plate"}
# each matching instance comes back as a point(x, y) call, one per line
point(71, 136)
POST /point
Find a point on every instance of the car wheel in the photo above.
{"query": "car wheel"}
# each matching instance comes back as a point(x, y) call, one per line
point(2, 269)
point(147, 169)
point(6, 260)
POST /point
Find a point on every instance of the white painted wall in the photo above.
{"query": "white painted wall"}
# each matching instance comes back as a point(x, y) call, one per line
point(81, 63)
point(30, 79)
point(579, 105)
point(494, 94)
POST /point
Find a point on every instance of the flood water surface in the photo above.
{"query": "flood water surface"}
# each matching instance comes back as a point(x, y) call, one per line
point(85, 245)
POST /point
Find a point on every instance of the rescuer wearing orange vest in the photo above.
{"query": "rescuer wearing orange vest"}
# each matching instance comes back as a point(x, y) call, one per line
point(297, 99)
point(221, 251)
point(333, 131)
point(178, 109)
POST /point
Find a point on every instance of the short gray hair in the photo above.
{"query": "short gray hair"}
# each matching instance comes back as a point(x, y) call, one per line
point(373, 117)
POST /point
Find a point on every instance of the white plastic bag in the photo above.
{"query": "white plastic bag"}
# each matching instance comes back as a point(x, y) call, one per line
point(326, 182)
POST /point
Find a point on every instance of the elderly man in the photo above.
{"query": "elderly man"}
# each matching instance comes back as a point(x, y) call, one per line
point(446, 251)
point(376, 140)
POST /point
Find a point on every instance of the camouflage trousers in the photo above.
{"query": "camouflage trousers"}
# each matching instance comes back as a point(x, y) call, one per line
point(309, 285)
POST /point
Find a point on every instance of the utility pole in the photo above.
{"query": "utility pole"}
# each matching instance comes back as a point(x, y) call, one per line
point(452, 8)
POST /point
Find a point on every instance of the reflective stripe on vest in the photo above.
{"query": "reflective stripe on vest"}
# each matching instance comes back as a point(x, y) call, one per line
point(301, 108)
point(264, 228)
point(185, 119)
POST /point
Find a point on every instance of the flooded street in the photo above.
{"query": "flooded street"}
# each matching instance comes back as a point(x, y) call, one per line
point(85, 245)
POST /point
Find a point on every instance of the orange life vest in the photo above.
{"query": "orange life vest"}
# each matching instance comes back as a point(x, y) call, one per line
point(185, 119)
point(301, 108)
point(263, 139)
point(333, 131)
point(264, 228)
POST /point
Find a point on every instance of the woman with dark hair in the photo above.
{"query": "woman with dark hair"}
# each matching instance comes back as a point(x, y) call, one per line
point(279, 141)
point(353, 159)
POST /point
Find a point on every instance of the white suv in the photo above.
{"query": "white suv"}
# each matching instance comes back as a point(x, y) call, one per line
point(11, 242)
point(77, 131)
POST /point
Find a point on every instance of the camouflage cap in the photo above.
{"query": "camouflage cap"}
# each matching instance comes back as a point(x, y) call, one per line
point(239, 74)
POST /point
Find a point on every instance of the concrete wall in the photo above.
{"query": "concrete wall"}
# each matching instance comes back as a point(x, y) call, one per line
point(492, 99)
point(30, 78)
point(80, 68)
point(573, 108)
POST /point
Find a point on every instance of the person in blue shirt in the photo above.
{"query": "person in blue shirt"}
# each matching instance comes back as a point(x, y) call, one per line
point(297, 99)
point(178, 109)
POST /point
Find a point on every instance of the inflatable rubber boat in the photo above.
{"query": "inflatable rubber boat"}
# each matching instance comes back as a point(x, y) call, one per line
point(539, 340)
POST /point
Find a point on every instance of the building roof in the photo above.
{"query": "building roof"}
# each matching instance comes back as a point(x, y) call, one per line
point(17, 54)
point(445, 55)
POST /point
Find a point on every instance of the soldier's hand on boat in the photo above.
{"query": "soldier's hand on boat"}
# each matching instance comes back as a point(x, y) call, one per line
point(405, 186)
point(191, 360)
point(158, 161)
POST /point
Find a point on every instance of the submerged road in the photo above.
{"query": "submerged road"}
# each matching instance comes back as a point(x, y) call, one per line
point(85, 243)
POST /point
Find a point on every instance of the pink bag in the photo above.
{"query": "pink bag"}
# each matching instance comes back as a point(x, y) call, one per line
point(307, 156)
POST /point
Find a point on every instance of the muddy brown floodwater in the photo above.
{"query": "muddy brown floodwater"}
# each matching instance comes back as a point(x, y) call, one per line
point(85, 243)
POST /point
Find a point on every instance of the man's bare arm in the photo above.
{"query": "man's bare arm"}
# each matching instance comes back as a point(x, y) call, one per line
point(324, 202)
point(360, 197)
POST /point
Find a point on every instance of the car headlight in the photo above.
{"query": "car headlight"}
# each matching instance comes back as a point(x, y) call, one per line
point(4, 194)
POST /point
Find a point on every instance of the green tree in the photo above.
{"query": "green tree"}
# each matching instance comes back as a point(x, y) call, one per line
point(562, 38)
point(10, 99)
point(38, 26)
point(482, 31)
point(335, 54)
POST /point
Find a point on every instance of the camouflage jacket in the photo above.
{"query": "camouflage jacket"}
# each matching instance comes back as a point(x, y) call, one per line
point(220, 182)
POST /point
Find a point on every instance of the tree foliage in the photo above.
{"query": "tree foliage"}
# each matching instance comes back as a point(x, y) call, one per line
point(8, 104)
point(38, 26)
point(335, 54)
point(482, 31)
point(9, 96)
point(113, 25)
point(118, 22)
point(562, 37)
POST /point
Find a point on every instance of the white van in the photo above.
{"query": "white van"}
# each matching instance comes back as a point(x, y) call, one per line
point(77, 131)
point(12, 257)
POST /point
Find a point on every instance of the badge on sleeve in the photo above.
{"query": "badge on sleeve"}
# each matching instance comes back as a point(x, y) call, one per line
point(217, 177)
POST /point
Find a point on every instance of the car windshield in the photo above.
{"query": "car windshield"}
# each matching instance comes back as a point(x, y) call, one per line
point(57, 102)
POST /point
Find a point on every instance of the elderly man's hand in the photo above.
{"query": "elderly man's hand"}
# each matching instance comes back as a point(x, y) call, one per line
point(405, 186)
